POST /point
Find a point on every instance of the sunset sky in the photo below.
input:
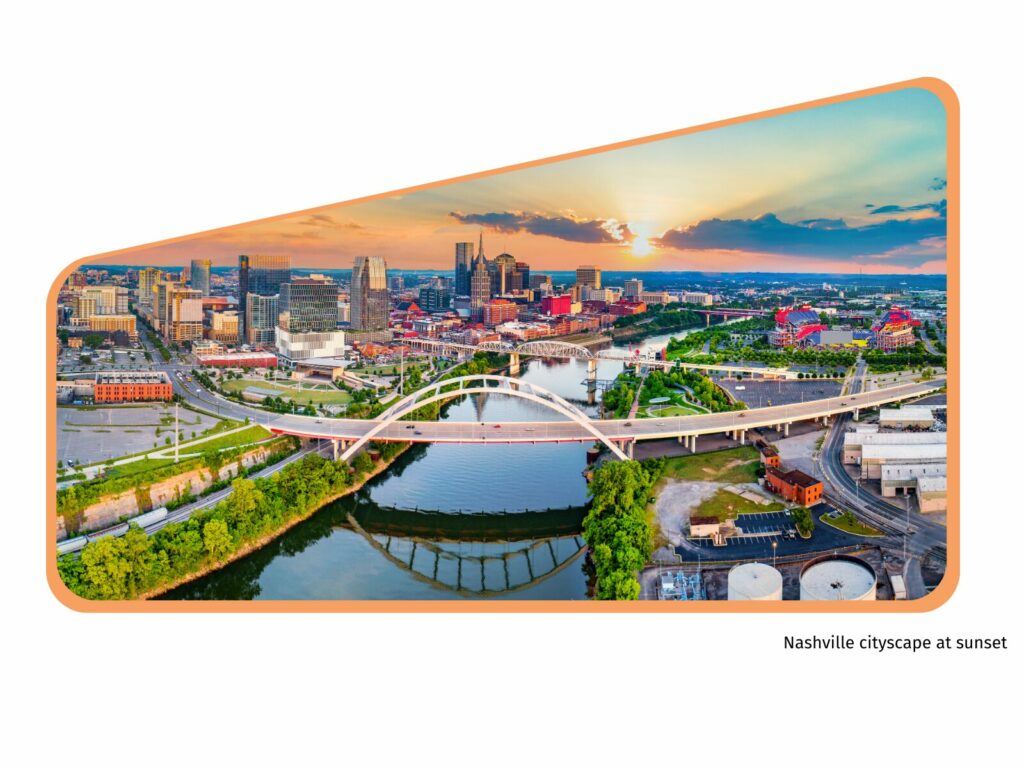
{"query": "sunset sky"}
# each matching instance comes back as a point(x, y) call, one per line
point(858, 185)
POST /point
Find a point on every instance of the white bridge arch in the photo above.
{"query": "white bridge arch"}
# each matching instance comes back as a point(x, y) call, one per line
point(448, 389)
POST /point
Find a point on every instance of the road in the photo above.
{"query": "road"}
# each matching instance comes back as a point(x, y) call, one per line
point(921, 533)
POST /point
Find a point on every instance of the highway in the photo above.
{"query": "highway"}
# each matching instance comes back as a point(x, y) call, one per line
point(620, 430)
point(562, 431)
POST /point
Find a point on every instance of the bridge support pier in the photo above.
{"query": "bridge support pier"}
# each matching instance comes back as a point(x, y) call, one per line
point(513, 366)
point(785, 430)
point(743, 437)
point(629, 448)
point(856, 414)
point(636, 368)
point(693, 443)
point(592, 369)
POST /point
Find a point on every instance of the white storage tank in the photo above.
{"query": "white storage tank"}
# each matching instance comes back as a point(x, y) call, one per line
point(755, 581)
point(837, 577)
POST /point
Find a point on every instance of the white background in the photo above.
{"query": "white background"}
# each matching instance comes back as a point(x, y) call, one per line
point(123, 124)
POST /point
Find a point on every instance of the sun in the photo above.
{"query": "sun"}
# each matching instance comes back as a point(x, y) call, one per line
point(641, 246)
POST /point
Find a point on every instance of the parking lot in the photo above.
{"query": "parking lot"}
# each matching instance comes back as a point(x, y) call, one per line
point(766, 528)
point(92, 434)
point(758, 393)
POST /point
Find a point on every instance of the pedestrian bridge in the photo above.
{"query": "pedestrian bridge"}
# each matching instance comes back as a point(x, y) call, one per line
point(398, 423)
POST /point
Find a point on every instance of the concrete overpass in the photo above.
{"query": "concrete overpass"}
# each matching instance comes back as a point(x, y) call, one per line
point(349, 434)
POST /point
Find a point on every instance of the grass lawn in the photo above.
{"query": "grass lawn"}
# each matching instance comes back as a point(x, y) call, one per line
point(672, 410)
point(847, 522)
point(297, 394)
point(253, 434)
point(725, 504)
point(733, 465)
point(134, 467)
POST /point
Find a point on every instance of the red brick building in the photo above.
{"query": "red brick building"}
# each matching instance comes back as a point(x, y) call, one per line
point(498, 311)
point(794, 486)
point(770, 456)
point(132, 386)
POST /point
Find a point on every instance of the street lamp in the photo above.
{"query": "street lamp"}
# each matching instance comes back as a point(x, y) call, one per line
point(775, 546)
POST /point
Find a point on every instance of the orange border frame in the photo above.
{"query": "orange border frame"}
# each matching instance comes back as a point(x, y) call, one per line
point(938, 596)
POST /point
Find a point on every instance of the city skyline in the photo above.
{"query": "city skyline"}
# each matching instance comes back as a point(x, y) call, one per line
point(853, 186)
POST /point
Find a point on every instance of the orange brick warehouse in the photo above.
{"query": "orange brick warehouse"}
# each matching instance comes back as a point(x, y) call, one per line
point(131, 386)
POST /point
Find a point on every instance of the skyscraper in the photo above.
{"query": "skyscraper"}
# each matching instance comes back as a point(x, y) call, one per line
point(589, 276)
point(505, 265)
point(633, 289)
point(147, 284)
point(463, 267)
point(261, 312)
point(479, 287)
point(308, 305)
point(261, 275)
point(199, 275)
point(369, 298)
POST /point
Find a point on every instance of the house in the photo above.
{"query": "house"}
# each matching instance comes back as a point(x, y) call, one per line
point(795, 486)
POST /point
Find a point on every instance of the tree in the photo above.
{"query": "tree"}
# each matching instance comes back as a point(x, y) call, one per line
point(92, 340)
point(217, 539)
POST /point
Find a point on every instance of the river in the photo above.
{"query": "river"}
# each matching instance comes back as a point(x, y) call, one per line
point(445, 521)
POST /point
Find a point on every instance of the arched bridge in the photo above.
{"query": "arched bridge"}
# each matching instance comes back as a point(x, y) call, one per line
point(448, 389)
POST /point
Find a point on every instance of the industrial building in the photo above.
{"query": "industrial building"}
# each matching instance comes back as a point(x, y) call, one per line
point(907, 417)
point(854, 442)
point(926, 481)
point(874, 457)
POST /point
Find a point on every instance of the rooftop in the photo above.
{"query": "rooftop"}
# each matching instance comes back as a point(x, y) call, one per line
point(132, 377)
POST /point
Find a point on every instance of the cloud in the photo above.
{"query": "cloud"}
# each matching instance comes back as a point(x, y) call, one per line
point(939, 208)
point(326, 221)
point(569, 227)
point(938, 184)
point(819, 238)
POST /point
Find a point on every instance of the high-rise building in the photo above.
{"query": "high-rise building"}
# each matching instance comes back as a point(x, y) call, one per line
point(224, 327)
point(369, 294)
point(308, 305)
point(521, 276)
point(185, 315)
point(498, 311)
point(633, 288)
point(261, 275)
point(397, 283)
point(433, 299)
point(589, 276)
point(148, 279)
point(504, 267)
point(199, 275)
point(463, 267)
point(110, 299)
point(697, 297)
point(261, 313)
point(479, 286)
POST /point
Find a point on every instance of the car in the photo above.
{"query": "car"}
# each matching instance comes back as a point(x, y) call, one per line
point(417, 432)
point(743, 415)
point(628, 424)
point(410, 426)
point(497, 426)
point(319, 421)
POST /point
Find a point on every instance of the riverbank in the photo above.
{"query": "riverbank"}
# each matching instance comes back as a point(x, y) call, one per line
point(247, 549)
